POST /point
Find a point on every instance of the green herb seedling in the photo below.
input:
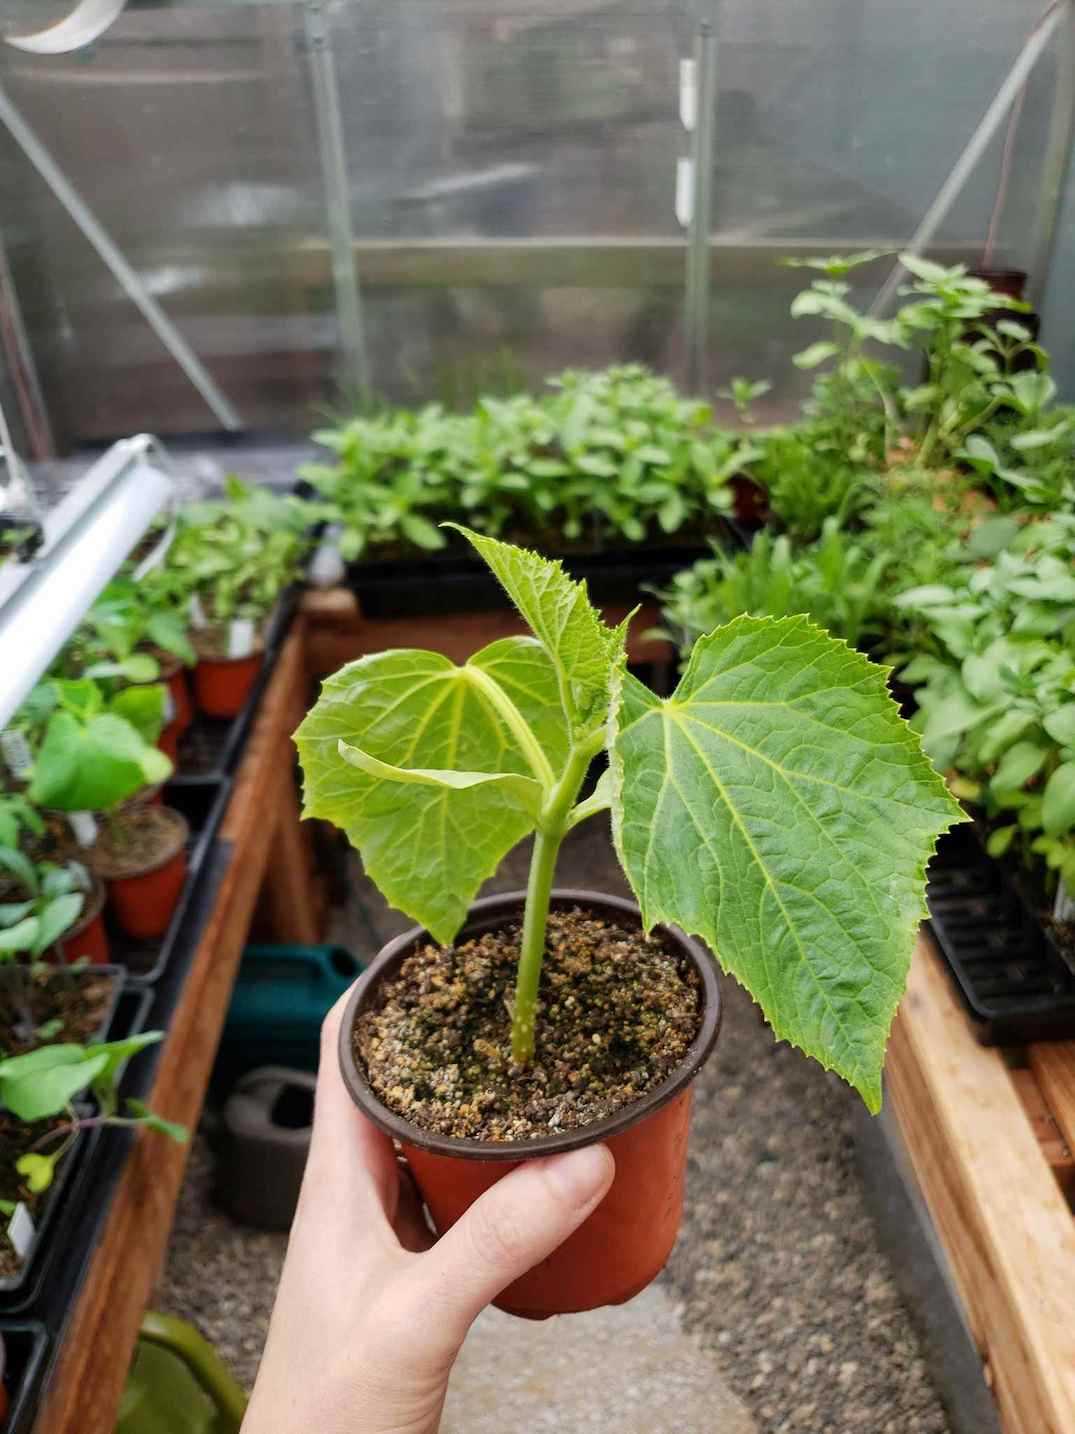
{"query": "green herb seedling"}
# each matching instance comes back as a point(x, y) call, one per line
point(53, 900)
point(776, 804)
point(44, 1082)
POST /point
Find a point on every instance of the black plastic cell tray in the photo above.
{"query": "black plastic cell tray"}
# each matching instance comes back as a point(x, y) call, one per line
point(210, 749)
point(26, 1346)
point(204, 808)
point(1005, 966)
point(454, 582)
point(24, 1293)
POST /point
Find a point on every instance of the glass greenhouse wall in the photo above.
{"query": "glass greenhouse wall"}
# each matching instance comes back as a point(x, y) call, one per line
point(510, 176)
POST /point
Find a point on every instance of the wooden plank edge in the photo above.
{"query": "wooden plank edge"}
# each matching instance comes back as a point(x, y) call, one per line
point(998, 1211)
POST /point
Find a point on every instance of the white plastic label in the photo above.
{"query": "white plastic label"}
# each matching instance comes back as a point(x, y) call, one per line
point(240, 637)
point(169, 705)
point(684, 190)
point(17, 756)
point(80, 875)
point(1064, 906)
point(21, 1231)
point(83, 827)
point(688, 93)
point(197, 612)
point(327, 566)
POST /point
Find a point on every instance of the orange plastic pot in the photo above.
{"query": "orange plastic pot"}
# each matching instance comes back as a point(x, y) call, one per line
point(168, 742)
point(144, 901)
point(87, 940)
point(182, 710)
point(222, 685)
point(625, 1243)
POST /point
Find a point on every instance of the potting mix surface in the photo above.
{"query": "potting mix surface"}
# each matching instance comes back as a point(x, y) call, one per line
point(141, 840)
point(617, 1013)
point(32, 999)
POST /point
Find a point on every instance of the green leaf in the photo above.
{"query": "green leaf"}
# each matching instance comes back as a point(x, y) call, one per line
point(20, 937)
point(1060, 725)
point(1000, 840)
point(46, 1090)
point(141, 1112)
point(37, 1170)
point(430, 847)
point(1058, 800)
point(20, 866)
point(420, 531)
point(815, 354)
point(92, 766)
point(143, 707)
point(524, 790)
point(558, 610)
point(1019, 763)
point(140, 667)
point(779, 807)
point(58, 916)
point(115, 1055)
point(1001, 734)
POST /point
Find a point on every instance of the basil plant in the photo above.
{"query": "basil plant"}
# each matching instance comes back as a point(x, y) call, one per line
point(776, 805)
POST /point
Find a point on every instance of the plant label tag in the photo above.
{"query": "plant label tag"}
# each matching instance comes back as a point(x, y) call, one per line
point(21, 1231)
point(169, 705)
point(17, 755)
point(327, 566)
point(83, 827)
point(198, 618)
point(688, 94)
point(684, 191)
point(80, 875)
point(240, 637)
point(1064, 906)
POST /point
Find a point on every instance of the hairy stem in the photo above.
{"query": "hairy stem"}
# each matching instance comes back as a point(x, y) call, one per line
point(553, 827)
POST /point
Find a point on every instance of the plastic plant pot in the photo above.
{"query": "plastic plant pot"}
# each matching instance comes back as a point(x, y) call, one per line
point(168, 742)
point(625, 1243)
point(87, 940)
point(175, 676)
point(145, 896)
point(222, 685)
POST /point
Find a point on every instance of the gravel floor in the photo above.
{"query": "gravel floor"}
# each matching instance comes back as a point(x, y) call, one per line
point(778, 1269)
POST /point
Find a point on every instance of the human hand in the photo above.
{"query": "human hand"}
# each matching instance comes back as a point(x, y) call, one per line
point(370, 1314)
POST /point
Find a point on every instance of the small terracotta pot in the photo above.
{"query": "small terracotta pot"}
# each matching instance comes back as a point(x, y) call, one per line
point(183, 710)
point(87, 940)
point(222, 685)
point(625, 1243)
point(168, 743)
point(145, 900)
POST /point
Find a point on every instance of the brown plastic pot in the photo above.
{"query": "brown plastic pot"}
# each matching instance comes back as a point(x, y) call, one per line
point(625, 1243)
point(144, 900)
point(222, 685)
point(87, 940)
point(168, 743)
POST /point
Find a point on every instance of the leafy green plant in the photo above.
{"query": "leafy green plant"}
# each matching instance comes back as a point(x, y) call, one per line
point(120, 631)
point(997, 691)
point(95, 751)
point(838, 582)
point(616, 454)
point(807, 485)
point(743, 392)
point(19, 819)
point(42, 1084)
point(775, 804)
point(237, 554)
point(53, 898)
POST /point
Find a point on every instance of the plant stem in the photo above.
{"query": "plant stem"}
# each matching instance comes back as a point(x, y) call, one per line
point(553, 827)
point(538, 890)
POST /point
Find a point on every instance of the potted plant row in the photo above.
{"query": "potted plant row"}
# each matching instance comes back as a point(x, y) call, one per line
point(775, 813)
point(930, 524)
point(615, 471)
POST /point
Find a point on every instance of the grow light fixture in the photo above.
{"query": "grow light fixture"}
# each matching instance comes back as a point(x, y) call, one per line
point(87, 536)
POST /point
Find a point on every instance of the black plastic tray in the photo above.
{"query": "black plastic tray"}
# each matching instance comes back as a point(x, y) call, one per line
point(26, 1345)
point(1006, 967)
point(204, 808)
point(210, 749)
point(452, 581)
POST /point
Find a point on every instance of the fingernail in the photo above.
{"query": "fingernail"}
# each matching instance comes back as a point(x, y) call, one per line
point(580, 1174)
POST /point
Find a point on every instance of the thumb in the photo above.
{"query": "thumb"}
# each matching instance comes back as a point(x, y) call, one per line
point(512, 1227)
